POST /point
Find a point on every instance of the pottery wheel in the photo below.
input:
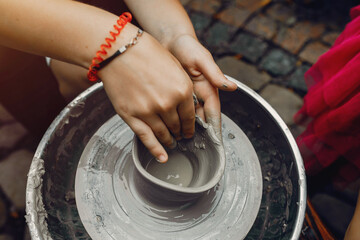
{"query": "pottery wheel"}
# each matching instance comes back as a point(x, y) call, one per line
point(111, 206)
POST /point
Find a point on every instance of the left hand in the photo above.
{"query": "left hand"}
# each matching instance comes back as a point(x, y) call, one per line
point(206, 76)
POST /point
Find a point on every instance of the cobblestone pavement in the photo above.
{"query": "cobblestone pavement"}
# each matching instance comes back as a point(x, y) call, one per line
point(267, 45)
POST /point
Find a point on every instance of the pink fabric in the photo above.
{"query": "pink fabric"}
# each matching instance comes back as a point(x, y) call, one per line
point(331, 107)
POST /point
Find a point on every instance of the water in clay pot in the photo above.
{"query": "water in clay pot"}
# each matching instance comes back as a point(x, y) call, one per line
point(178, 170)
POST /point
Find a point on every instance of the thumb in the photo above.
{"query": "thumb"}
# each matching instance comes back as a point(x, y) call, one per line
point(213, 74)
point(213, 115)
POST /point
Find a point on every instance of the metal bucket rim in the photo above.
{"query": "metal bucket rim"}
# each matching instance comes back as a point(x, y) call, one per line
point(295, 150)
point(33, 188)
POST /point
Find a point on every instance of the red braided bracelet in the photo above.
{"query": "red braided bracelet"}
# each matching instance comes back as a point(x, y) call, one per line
point(121, 22)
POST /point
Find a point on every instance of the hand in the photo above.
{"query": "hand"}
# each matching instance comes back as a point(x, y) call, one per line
point(152, 93)
point(353, 230)
point(206, 76)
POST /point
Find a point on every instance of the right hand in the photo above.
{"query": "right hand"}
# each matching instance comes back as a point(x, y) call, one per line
point(152, 93)
point(206, 76)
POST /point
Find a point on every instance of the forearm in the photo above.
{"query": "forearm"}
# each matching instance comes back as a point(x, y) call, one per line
point(163, 19)
point(65, 30)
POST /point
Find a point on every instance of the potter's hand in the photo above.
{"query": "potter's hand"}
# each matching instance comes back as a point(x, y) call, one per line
point(206, 76)
point(353, 230)
point(152, 93)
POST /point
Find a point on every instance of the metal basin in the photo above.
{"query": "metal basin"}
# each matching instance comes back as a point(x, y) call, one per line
point(51, 208)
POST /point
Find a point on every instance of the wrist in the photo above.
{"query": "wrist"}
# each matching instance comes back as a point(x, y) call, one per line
point(93, 44)
point(175, 42)
point(170, 36)
point(108, 50)
point(129, 58)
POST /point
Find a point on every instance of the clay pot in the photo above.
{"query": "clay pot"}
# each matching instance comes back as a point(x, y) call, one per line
point(195, 166)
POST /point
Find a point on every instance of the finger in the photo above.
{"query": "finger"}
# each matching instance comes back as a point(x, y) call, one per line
point(212, 113)
point(199, 109)
point(200, 112)
point(212, 73)
point(172, 121)
point(147, 137)
point(186, 111)
point(160, 131)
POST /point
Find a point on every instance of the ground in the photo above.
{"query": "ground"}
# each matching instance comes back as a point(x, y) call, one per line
point(267, 45)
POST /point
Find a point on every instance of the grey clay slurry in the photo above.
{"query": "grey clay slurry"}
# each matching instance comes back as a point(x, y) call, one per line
point(113, 200)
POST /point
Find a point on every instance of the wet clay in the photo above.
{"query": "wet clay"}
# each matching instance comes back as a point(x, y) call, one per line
point(177, 170)
point(35, 209)
point(113, 204)
point(195, 166)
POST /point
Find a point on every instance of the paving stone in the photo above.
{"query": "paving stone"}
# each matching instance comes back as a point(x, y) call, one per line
point(293, 38)
point(278, 62)
point(313, 51)
point(296, 80)
point(245, 73)
point(13, 176)
point(314, 30)
point(5, 116)
point(263, 26)
point(206, 6)
point(281, 13)
point(310, 28)
point(184, 2)
point(200, 22)
point(284, 101)
point(291, 21)
point(250, 47)
point(330, 37)
point(234, 16)
point(11, 134)
point(218, 36)
point(252, 5)
point(290, 39)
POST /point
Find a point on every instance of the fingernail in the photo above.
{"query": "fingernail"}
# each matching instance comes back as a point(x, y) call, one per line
point(161, 158)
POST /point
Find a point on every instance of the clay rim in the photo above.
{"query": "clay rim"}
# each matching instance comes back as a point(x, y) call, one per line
point(186, 190)
point(36, 214)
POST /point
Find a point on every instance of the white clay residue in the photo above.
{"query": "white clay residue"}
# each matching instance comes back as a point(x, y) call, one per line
point(77, 110)
point(172, 176)
point(35, 211)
